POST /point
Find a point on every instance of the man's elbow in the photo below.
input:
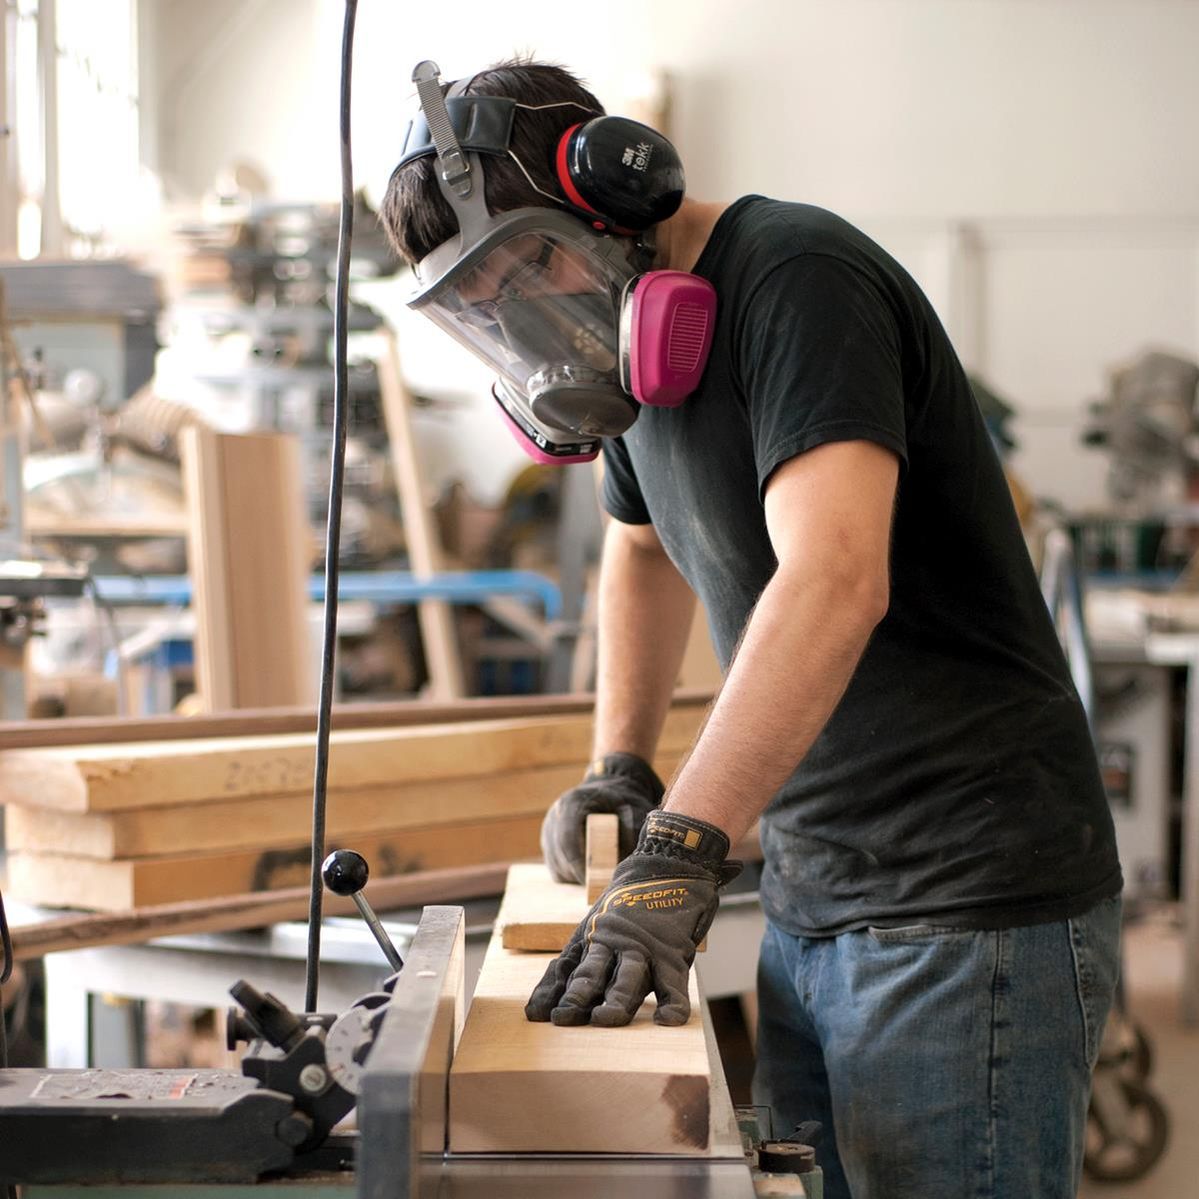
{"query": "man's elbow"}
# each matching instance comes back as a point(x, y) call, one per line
point(857, 597)
point(867, 599)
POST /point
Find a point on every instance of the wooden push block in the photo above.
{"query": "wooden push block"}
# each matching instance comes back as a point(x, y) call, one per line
point(603, 853)
point(520, 1087)
point(538, 914)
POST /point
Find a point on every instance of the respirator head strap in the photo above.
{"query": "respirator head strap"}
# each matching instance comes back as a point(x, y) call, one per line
point(459, 173)
point(482, 124)
point(454, 167)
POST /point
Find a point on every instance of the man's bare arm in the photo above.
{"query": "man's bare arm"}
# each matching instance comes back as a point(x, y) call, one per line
point(828, 513)
point(645, 612)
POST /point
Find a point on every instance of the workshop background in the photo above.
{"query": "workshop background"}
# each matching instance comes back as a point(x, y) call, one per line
point(168, 222)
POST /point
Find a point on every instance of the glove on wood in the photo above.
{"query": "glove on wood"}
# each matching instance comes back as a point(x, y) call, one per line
point(622, 784)
point(642, 933)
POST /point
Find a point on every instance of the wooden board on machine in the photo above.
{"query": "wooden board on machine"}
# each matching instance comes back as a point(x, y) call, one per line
point(160, 774)
point(538, 913)
point(68, 881)
point(520, 1087)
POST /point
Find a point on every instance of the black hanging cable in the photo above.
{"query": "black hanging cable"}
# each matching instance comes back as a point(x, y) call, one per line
point(333, 527)
point(5, 975)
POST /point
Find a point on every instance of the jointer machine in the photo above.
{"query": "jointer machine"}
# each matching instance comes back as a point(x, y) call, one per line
point(280, 1125)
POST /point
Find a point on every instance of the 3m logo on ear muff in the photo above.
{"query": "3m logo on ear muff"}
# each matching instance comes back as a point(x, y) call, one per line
point(637, 158)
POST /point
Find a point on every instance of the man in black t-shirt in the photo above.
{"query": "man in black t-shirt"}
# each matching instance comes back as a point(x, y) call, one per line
point(940, 876)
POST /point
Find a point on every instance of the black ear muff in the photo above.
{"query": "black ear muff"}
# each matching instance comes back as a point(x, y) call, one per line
point(621, 174)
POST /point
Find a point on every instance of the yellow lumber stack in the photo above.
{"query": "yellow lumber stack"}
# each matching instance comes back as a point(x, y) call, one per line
point(110, 827)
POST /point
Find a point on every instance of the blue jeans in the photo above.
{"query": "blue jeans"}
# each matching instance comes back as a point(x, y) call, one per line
point(943, 1063)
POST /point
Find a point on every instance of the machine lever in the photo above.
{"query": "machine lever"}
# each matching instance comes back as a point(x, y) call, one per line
point(345, 873)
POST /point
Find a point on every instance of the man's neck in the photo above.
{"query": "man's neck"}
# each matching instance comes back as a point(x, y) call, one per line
point(681, 239)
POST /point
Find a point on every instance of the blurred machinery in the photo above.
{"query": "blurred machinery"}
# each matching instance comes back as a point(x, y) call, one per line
point(1147, 425)
point(250, 331)
point(244, 312)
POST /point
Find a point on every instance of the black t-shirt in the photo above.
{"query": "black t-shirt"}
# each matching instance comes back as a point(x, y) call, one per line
point(956, 781)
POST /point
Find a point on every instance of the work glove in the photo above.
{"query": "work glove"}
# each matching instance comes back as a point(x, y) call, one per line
point(642, 933)
point(622, 784)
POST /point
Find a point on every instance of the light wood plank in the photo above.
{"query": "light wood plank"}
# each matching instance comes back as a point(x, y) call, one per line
point(163, 773)
point(520, 1087)
point(89, 883)
point(90, 730)
point(538, 914)
point(246, 823)
point(231, 912)
point(603, 853)
point(425, 555)
point(249, 553)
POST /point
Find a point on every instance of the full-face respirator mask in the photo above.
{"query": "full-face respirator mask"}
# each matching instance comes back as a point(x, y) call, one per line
point(561, 302)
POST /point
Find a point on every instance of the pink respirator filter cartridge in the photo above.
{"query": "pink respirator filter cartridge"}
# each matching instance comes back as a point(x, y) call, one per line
point(536, 444)
point(669, 320)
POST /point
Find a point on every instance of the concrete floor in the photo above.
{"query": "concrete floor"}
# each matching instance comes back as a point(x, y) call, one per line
point(1153, 969)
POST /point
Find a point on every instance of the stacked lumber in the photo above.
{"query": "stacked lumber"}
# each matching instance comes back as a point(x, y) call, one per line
point(112, 827)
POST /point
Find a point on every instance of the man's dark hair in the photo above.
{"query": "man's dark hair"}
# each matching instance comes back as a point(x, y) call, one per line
point(415, 214)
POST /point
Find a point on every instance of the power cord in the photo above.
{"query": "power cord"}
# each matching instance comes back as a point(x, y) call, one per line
point(333, 526)
point(5, 974)
point(10, 1192)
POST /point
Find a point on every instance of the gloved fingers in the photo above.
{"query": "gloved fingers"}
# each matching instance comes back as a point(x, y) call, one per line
point(670, 986)
point(553, 982)
point(631, 983)
point(630, 817)
point(729, 871)
point(562, 843)
point(705, 921)
point(586, 986)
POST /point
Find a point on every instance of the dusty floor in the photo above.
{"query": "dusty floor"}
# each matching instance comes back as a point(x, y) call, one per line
point(1153, 969)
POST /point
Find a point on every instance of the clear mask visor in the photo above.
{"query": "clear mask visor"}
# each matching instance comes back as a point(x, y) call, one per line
point(542, 310)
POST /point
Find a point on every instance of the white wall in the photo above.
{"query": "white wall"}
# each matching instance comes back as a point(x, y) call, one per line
point(1034, 162)
point(235, 79)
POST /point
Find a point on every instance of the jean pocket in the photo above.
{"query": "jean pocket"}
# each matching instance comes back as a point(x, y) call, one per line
point(1095, 948)
point(914, 932)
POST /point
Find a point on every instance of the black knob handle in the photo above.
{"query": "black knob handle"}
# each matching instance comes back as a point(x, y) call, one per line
point(345, 872)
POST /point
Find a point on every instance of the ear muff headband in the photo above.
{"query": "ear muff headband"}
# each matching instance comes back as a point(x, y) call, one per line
point(616, 173)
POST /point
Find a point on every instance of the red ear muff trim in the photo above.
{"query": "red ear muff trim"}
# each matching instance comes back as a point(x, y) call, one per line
point(568, 184)
point(573, 195)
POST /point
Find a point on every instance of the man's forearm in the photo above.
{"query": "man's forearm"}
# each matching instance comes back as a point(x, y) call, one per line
point(645, 613)
point(799, 650)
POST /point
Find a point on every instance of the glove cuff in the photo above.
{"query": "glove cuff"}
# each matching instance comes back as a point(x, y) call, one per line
point(628, 766)
point(670, 834)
